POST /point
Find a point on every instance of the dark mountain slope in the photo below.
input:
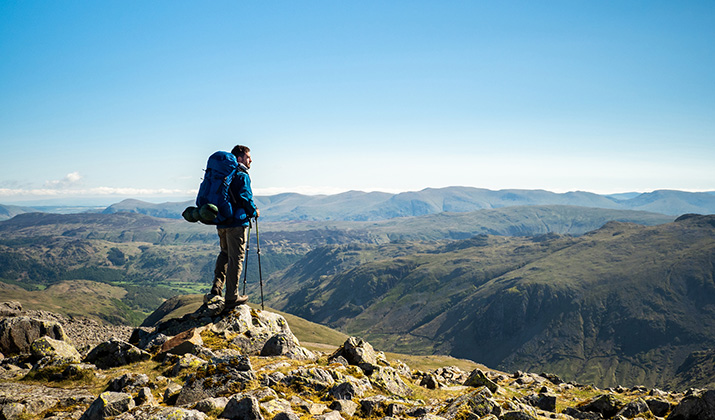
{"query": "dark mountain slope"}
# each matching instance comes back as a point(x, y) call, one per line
point(625, 304)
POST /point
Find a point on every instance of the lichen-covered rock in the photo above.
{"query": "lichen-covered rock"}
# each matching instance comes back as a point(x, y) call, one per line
point(218, 378)
point(109, 404)
point(54, 349)
point(477, 378)
point(187, 362)
point(114, 353)
point(17, 334)
point(477, 403)
point(387, 379)
point(161, 413)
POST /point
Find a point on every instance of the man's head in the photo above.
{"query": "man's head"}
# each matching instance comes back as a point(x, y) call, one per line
point(243, 155)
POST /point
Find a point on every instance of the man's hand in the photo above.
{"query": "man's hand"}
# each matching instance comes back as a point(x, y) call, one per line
point(258, 213)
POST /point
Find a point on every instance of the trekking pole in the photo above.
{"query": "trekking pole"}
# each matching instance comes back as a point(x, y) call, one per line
point(258, 252)
point(245, 259)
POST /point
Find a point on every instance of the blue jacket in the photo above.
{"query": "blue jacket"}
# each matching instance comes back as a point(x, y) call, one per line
point(241, 199)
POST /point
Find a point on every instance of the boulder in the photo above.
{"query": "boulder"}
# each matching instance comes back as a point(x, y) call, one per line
point(346, 407)
point(17, 334)
point(55, 350)
point(546, 402)
point(477, 379)
point(387, 379)
point(658, 406)
point(108, 404)
point(634, 408)
point(700, 406)
point(475, 404)
point(331, 415)
point(211, 404)
point(606, 404)
point(251, 329)
point(286, 345)
point(356, 351)
point(314, 378)
point(243, 408)
point(148, 412)
point(286, 416)
point(348, 390)
point(114, 353)
point(145, 397)
point(10, 309)
point(128, 382)
point(185, 342)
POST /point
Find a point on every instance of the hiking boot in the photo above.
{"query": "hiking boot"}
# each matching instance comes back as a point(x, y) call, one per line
point(215, 292)
point(232, 304)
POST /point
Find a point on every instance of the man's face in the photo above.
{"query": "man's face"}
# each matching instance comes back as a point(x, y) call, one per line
point(245, 159)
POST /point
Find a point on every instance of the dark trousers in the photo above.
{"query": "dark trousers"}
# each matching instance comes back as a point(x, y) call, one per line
point(229, 263)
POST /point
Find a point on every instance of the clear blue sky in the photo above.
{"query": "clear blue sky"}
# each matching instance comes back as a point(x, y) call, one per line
point(128, 98)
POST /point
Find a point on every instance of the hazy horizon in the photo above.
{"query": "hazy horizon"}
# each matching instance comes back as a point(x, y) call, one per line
point(105, 201)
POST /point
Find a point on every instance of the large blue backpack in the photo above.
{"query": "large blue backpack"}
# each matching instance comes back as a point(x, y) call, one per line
point(214, 189)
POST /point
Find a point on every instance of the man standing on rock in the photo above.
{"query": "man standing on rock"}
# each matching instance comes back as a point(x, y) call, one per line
point(233, 235)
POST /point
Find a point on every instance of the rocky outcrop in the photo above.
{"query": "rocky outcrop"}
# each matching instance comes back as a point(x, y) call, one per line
point(18, 333)
point(248, 365)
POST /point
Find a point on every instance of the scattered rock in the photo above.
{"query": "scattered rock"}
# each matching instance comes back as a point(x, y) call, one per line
point(109, 404)
point(114, 353)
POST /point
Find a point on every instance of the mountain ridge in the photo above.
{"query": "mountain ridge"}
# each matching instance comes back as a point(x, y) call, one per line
point(373, 206)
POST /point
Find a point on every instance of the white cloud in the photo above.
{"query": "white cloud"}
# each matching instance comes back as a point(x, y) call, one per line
point(69, 180)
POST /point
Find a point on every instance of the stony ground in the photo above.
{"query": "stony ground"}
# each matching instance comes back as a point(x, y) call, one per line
point(247, 365)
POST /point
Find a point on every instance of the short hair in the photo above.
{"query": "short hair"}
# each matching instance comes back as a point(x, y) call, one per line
point(239, 150)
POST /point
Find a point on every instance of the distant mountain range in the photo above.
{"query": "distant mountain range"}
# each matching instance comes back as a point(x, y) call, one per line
point(373, 206)
point(362, 206)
